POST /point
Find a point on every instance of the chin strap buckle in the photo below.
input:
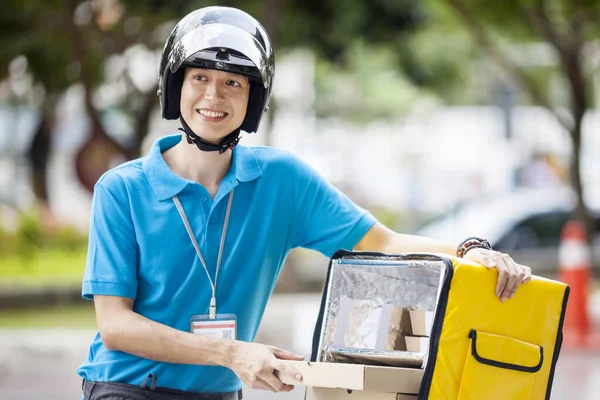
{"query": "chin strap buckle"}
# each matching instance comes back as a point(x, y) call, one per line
point(230, 145)
point(228, 142)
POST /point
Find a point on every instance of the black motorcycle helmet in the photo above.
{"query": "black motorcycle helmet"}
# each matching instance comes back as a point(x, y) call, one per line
point(225, 39)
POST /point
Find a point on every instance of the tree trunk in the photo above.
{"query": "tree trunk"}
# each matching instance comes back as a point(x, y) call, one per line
point(570, 51)
point(571, 63)
point(38, 155)
point(580, 213)
point(39, 151)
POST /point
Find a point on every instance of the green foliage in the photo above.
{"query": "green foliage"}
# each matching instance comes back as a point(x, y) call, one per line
point(43, 268)
point(441, 58)
point(369, 87)
point(37, 30)
point(76, 316)
point(513, 18)
point(31, 237)
point(34, 255)
point(331, 26)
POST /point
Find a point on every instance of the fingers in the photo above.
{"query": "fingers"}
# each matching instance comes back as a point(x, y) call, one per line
point(506, 278)
point(515, 277)
point(287, 387)
point(254, 380)
point(258, 367)
point(523, 276)
point(261, 385)
point(510, 276)
point(503, 274)
point(274, 382)
point(527, 272)
point(264, 377)
point(284, 369)
point(285, 355)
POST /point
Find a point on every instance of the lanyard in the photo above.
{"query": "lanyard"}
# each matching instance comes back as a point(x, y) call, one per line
point(212, 310)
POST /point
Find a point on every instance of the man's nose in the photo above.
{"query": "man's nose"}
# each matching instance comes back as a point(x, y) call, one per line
point(213, 91)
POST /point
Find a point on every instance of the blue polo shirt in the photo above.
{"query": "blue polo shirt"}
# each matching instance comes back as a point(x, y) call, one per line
point(139, 249)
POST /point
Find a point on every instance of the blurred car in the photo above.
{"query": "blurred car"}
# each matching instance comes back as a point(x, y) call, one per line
point(526, 224)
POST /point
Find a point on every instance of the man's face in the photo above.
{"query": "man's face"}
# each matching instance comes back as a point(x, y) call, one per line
point(213, 103)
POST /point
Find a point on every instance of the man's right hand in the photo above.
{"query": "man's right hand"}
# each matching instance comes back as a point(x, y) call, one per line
point(258, 366)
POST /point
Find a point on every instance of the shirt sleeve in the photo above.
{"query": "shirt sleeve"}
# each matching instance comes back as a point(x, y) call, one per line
point(111, 265)
point(325, 219)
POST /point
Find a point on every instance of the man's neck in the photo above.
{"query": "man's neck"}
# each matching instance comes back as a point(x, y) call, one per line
point(208, 168)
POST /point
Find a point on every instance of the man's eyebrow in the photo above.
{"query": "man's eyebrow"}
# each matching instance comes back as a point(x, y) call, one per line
point(194, 70)
point(238, 76)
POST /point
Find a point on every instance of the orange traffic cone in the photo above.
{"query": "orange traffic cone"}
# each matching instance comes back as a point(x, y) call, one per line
point(575, 270)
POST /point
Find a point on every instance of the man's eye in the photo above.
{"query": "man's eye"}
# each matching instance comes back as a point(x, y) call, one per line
point(233, 83)
point(200, 77)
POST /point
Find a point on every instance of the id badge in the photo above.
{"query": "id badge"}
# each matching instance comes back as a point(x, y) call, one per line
point(224, 326)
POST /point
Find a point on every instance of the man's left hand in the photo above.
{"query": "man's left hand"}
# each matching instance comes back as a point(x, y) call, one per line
point(510, 274)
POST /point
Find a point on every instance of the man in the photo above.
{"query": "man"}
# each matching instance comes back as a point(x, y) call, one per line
point(191, 238)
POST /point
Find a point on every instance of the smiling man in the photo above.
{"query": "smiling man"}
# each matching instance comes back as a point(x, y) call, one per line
point(186, 244)
point(213, 102)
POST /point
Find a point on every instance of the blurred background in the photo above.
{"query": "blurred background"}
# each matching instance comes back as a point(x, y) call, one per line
point(446, 118)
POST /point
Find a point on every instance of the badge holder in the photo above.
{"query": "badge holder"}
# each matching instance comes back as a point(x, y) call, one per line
point(223, 326)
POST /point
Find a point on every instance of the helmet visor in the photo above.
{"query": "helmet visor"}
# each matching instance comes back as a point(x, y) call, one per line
point(215, 36)
point(227, 60)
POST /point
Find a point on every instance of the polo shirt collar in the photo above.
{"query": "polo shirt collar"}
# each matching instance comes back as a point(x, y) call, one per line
point(166, 184)
point(244, 165)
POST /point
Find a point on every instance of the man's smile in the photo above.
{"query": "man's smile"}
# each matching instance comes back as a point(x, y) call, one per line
point(211, 115)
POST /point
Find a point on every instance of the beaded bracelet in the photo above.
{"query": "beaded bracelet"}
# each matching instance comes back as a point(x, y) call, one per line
point(471, 243)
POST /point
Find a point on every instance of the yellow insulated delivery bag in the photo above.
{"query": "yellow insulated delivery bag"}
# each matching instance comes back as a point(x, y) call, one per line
point(424, 326)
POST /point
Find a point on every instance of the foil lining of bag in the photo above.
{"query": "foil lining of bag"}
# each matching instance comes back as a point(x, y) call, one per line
point(376, 357)
point(373, 284)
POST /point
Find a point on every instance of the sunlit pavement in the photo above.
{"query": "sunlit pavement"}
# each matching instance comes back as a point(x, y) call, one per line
point(40, 364)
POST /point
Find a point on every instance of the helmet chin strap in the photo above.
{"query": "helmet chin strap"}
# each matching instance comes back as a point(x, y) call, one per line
point(228, 142)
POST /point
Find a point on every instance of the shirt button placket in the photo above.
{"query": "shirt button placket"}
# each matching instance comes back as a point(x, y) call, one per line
point(205, 204)
point(214, 215)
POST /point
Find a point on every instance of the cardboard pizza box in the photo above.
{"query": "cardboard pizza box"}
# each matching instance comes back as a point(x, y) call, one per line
point(417, 344)
point(315, 393)
point(421, 322)
point(356, 377)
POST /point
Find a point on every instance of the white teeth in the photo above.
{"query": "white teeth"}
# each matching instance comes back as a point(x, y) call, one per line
point(211, 114)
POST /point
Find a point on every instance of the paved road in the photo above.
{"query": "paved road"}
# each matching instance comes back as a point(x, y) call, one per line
point(41, 364)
